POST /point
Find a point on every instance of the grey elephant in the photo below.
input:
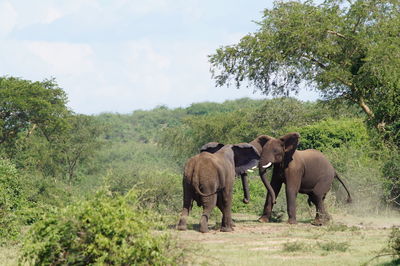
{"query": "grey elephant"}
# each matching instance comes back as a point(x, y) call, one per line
point(307, 172)
point(209, 177)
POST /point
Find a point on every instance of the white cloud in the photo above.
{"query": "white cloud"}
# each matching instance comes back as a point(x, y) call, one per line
point(64, 58)
point(8, 18)
point(51, 15)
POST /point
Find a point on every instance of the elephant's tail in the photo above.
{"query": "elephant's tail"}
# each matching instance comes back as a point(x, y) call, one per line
point(196, 184)
point(349, 199)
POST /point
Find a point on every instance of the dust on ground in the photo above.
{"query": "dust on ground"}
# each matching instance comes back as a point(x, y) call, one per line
point(347, 240)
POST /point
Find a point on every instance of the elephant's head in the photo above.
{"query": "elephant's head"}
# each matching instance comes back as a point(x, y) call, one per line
point(275, 150)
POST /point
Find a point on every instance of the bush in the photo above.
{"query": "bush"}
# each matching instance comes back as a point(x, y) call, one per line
point(103, 230)
point(394, 242)
point(328, 134)
point(11, 199)
point(391, 173)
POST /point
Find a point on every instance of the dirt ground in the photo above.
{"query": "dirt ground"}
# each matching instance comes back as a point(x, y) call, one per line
point(352, 241)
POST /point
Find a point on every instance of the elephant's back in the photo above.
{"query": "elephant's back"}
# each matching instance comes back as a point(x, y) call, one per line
point(207, 163)
point(317, 167)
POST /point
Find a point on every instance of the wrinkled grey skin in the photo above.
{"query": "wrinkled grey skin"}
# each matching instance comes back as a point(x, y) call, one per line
point(208, 179)
point(213, 147)
point(307, 172)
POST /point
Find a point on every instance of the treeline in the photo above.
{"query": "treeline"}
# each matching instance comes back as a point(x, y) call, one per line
point(55, 165)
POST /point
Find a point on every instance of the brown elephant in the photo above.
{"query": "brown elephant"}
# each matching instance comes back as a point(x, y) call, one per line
point(213, 147)
point(307, 172)
point(208, 179)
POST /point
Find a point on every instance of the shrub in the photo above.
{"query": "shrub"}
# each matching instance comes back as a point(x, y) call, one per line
point(334, 246)
point(394, 242)
point(11, 199)
point(330, 133)
point(295, 246)
point(106, 229)
point(391, 173)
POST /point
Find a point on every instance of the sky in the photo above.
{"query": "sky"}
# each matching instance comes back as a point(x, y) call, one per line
point(124, 55)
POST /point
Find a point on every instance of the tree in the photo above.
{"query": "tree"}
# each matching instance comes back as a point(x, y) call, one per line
point(26, 106)
point(345, 50)
point(62, 155)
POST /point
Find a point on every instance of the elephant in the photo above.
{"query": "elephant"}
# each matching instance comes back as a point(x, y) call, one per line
point(213, 147)
point(307, 172)
point(208, 179)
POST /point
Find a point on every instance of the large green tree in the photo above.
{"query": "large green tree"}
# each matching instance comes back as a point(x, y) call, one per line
point(26, 106)
point(344, 49)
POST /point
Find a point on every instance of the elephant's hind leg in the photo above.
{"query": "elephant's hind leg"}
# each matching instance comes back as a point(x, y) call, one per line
point(208, 204)
point(321, 216)
point(226, 223)
point(187, 206)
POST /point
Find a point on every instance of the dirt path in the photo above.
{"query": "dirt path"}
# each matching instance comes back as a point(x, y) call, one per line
point(352, 242)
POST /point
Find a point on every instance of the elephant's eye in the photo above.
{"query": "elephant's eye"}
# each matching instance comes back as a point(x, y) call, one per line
point(275, 150)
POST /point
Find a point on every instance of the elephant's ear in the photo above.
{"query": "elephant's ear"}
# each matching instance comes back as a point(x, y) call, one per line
point(260, 141)
point(290, 140)
point(246, 156)
point(211, 147)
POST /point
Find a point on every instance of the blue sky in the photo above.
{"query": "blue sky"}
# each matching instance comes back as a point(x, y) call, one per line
point(124, 55)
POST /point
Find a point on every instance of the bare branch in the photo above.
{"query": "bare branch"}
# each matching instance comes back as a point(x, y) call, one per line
point(337, 34)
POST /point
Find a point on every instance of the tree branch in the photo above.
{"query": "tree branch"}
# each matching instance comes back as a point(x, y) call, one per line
point(365, 107)
point(337, 34)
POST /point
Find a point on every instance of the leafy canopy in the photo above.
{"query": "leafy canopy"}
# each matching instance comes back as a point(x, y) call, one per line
point(26, 106)
point(345, 50)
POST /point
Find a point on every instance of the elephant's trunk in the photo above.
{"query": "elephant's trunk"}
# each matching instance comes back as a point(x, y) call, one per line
point(246, 192)
point(263, 173)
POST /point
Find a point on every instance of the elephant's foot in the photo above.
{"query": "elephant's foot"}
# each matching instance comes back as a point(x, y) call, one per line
point(263, 219)
point(226, 229)
point(317, 222)
point(292, 221)
point(204, 224)
point(182, 225)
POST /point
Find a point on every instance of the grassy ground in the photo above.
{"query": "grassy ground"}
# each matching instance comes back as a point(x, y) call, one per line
point(353, 241)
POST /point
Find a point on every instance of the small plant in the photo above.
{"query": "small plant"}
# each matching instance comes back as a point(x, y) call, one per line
point(106, 229)
point(394, 242)
point(341, 228)
point(295, 246)
point(334, 246)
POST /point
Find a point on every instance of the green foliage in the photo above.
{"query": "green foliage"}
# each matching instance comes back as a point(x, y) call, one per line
point(333, 246)
point(10, 187)
point(11, 200)
point(143, 165)
point(360, 169)
point(103, 230)
point(295, 246)
point(346, 51)
point(328, 134)
point(394, 242)
point(27, 106)
point(391, 172)
point(65, 152)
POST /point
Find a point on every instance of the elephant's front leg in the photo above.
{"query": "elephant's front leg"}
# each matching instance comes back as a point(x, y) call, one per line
point(291, 195)
point(187, 205)
point(276, 184)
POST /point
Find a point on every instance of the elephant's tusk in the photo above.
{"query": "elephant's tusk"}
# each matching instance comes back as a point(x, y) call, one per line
point(267, 165)
point(254, 167)
point(250, 171)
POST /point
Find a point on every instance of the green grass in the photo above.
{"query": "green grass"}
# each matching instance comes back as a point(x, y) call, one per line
point(254, 243)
